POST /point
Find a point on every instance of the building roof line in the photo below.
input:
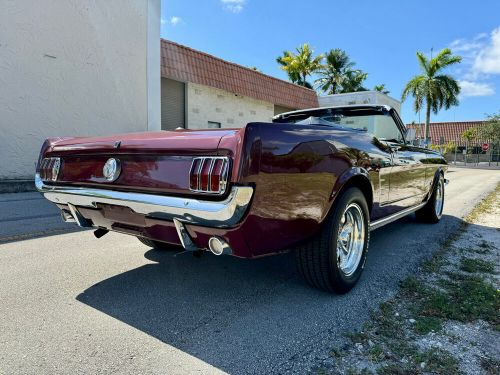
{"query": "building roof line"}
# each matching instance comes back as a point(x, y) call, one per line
point(163, 40)
point(185, 64)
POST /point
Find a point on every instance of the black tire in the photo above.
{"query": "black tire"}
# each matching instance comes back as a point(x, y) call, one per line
point(157, 244)
point(430, 213)
point(318, 260)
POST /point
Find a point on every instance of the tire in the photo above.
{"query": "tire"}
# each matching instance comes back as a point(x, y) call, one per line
point(157, 245)
point(322, 263)
point(433, 209)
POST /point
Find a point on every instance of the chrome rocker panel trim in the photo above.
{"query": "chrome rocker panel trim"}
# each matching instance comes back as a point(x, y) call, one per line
point(396, 216)
point(224, 213)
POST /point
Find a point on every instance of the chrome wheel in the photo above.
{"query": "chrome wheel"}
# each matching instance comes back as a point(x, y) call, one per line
point(438, 204)
point(351, 239)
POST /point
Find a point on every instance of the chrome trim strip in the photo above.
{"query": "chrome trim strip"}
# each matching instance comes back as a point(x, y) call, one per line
point(80, 220)
point(67, 217)
point(210, 171)
point(186, 241)
point(188, 210)
point(223, 176)
point(398, 215)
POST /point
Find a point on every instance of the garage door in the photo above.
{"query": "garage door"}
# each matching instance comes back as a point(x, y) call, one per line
point(172, 104)
point(280, 109)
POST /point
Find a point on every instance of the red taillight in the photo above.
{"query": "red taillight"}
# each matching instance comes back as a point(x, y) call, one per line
point(193, 175)
point(49, 169)
point(205, 174)
point(209, 174)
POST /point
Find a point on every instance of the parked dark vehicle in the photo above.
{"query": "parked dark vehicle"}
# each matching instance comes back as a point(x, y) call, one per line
point(316, 181)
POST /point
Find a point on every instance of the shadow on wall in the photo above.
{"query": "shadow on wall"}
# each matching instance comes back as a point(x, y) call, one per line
point(228, 311)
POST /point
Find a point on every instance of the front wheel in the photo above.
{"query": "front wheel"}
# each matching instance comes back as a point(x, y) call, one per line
point(334, 260)
point(433, 209)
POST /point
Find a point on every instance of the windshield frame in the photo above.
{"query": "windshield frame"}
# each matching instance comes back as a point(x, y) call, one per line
point(371, 110)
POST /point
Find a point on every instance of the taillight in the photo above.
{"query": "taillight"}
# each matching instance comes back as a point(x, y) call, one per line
point(209, 174)
point(49, 169)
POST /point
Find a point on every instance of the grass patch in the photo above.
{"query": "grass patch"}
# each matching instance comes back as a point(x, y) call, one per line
point(487, 205)
point(438, 361)
point(386, 324)
point(466, 298)
point(395, 369)
point(476, 265)
point(426, 324)
point(376, 353)
point(432, 265)
point(463, 297)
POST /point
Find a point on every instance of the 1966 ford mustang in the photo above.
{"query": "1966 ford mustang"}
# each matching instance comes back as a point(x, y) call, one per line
point(316, 181)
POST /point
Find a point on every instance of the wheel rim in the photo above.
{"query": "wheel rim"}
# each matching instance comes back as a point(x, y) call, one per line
point(351, 239)
point(438, 204)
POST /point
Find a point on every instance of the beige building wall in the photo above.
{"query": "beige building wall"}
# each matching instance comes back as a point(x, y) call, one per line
point(206, 104)
point(71, 68)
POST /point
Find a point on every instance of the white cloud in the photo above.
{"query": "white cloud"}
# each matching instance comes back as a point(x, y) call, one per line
point(481, 59)
point(174, 20)
point(488, 58)
point(470, 88)
point(234, 6)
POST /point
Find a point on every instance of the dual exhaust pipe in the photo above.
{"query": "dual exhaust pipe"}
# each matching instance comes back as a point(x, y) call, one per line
point(218, 246)
point(215, 244)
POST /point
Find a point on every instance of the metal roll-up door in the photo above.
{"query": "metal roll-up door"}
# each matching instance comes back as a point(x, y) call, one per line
point(172, 104)
point(280, 109)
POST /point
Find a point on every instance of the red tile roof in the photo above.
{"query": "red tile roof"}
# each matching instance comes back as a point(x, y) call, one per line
point(188, 65)
point(450, 131)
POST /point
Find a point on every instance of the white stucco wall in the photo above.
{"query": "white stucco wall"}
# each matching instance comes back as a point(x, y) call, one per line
point(205, 104)
point(75, 68)
point(361, 97)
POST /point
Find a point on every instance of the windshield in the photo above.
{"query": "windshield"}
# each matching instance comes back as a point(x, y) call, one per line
point(373, 120)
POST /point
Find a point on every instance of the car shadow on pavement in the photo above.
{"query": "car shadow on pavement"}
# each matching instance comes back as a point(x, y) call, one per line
point(228, 311)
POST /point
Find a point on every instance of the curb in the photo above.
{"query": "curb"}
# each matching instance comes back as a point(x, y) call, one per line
point(16, 186)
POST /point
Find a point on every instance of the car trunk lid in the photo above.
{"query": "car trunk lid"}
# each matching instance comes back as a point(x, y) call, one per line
point(156, 162)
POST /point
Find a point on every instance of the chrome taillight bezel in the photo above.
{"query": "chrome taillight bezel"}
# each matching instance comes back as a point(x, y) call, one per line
point(198, 163)
point(49, 169)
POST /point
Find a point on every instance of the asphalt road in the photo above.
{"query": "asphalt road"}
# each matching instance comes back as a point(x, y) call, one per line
point(70, 303)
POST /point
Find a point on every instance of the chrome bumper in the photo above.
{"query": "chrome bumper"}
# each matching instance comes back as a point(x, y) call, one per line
point(224, 213)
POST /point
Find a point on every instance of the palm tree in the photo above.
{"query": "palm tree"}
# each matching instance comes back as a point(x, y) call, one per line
point(354, 81)
point(300, 65)
point(437, 89)
point(381, 88)
point(338, 75)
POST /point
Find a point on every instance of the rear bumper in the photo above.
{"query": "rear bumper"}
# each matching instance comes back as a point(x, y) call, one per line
point(220, 214)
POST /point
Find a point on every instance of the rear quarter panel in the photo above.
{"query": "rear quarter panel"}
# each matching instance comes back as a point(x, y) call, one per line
point(296, 170)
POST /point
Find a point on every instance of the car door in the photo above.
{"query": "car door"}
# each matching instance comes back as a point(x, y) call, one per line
point(407, 173)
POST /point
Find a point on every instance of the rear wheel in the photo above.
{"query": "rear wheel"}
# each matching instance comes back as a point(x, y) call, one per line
point(157, 244)
point(433, 209)
point(334, 260)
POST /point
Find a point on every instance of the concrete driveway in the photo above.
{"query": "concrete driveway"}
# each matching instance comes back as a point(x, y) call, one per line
point(70, 303)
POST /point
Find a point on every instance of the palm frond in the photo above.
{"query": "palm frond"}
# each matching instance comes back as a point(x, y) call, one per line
point(423, 62)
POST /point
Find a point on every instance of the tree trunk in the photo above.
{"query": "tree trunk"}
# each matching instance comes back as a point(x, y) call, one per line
point(427, 122)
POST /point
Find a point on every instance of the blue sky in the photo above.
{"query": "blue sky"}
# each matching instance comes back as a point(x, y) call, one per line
point(380, 36)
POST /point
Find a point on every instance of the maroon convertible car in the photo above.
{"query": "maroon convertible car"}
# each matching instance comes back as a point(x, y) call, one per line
point(316, 181)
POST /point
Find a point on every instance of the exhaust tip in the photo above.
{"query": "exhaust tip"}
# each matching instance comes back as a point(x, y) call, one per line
point(218, 246)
